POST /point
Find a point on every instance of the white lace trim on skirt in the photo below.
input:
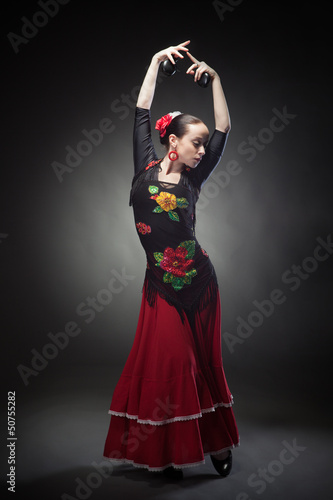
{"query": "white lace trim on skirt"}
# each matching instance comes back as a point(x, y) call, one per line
point(120, 461)
point(170, 420)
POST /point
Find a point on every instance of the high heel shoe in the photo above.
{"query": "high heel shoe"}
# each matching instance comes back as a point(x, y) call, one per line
point(223, 467)
point(173, 473)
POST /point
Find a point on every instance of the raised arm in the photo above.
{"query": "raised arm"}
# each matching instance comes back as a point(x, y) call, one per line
point(147, 90)
point(221, 113)
point(217, 142)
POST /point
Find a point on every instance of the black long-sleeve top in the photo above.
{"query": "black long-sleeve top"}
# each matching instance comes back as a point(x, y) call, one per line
point(177, 267)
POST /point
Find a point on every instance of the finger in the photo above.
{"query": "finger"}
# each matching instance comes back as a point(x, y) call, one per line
point(198, 72)
point(198, 75)
point(192, 68)
point(193, 59)
point(171, 59)
point(175, 52)
point(178, 48)
point(184, 43)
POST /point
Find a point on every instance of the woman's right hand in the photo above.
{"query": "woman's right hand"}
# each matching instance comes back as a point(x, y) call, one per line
point(168, 53)
point(147, 90)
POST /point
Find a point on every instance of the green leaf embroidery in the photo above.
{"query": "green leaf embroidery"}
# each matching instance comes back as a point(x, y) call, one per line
point(188, 276)
point(158, 256)
point(168, 277)
point(173, 215)
point(190, 247)
point(178, 283)
point(182, 202)
point(153, 189)
point(192, 273)
point(158, 210)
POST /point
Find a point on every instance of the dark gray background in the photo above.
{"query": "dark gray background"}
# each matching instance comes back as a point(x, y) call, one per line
point(61, 241)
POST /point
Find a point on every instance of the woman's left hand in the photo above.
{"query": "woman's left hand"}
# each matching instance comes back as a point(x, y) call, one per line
point(199, 67)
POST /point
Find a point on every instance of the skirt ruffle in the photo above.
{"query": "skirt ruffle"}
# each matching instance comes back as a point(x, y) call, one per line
point(172, 404)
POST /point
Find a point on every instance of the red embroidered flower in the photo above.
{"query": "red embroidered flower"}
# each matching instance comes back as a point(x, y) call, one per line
point(175, 262)
point(153, 163)
point(143, 228)
point(163, 123)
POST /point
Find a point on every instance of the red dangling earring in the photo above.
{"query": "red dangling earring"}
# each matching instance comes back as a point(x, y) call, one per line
point(173, 155)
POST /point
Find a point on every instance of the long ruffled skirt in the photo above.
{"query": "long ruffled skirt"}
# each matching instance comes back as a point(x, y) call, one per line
point(172, 404)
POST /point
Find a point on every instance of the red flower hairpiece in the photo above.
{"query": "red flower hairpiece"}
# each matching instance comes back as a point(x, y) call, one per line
point(163, 123)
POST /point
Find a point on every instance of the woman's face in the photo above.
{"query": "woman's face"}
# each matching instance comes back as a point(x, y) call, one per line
point(191, 147)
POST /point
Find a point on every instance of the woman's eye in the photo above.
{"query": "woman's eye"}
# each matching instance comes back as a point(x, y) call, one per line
point(197, 144)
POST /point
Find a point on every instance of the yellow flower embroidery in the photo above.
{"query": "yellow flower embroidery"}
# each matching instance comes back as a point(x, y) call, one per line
point(167, 201)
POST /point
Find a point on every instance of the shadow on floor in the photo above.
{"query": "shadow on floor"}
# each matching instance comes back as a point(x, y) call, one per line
point(118, 483)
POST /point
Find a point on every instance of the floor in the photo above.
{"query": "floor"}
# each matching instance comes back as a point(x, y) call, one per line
point(306, 477)
point(61, 438)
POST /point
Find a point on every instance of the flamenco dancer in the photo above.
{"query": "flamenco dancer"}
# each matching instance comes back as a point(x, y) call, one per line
point(172, 405)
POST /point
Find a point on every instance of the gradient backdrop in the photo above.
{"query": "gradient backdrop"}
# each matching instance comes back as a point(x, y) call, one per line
point(71, 264)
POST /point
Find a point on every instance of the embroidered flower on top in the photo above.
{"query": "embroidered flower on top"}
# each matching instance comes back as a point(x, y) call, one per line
point(153, 163)
point(167, 202)
point(143, 228)
point(177, 264)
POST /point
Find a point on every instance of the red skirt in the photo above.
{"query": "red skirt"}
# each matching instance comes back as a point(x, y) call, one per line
point(172, 404)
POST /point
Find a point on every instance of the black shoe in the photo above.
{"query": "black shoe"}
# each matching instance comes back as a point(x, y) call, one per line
point(173, 473)
point(223, 467)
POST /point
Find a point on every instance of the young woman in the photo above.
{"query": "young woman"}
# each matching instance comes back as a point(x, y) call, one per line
point(172, 404)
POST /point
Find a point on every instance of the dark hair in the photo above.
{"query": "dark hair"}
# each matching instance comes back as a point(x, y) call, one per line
point(178, 127)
